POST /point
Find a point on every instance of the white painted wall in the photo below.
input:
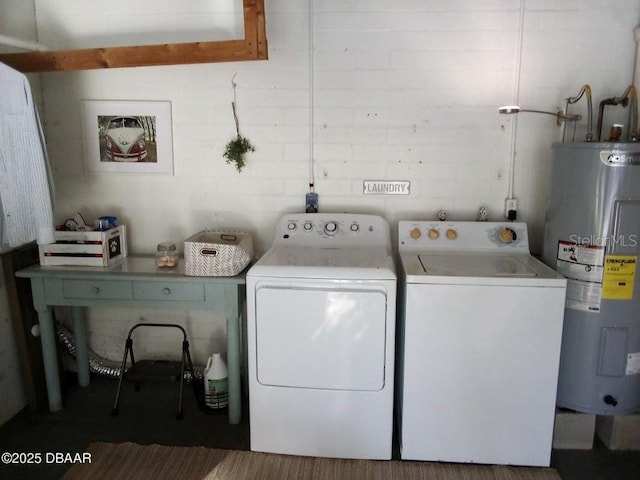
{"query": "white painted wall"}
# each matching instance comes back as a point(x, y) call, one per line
point(17, 19)
point(403, 90)
point(95, 23)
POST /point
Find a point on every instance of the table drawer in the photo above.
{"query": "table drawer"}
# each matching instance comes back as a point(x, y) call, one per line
point(181, 292)
point(98, 289)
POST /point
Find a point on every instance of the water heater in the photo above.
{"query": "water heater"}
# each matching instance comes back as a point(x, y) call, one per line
point(592, 237)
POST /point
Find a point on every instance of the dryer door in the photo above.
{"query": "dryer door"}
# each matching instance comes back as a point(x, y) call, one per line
point(324, 337)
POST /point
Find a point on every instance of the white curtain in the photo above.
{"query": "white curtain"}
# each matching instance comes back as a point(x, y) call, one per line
point(26, 186)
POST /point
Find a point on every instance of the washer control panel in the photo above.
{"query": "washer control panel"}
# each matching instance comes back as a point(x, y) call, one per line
point(327, 230)
point(425, 235)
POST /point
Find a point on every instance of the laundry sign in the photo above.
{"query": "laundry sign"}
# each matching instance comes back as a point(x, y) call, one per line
point(386, 187)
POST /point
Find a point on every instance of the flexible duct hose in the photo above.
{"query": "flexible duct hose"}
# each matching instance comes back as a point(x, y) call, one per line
point(97, 364)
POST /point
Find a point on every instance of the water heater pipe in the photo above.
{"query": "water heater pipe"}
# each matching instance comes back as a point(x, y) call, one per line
point(629, 96)
point(586, 91)
point(311, 98)
point(636, 70)
point(516, 98)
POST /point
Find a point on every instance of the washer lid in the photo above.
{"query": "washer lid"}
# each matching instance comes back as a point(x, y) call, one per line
point(478, 268)
point(475, 266)
point(313, 262)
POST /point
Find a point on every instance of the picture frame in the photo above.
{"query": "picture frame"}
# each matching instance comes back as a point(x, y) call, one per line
point(122, 136)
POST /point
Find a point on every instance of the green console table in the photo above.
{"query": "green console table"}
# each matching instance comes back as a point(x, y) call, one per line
point(133, 282)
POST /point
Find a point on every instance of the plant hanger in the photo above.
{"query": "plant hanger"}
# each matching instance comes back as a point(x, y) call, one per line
point(239, 146)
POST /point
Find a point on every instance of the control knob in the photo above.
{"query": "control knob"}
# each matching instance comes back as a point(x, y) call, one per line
point(330, 228)
point(507, 235)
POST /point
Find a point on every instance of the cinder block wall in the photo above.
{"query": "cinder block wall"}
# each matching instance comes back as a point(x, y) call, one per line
point(404, 90)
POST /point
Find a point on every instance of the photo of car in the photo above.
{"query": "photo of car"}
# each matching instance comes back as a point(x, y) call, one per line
point(124, 139)
point(127, 136)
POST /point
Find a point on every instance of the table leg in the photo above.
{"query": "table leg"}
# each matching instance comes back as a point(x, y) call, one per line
point(48, 341)
point(82, 350)
point(50, 358)
point(233, 367)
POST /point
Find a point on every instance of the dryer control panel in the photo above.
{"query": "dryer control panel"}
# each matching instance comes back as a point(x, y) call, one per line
point(329, 230)
point(463, 236)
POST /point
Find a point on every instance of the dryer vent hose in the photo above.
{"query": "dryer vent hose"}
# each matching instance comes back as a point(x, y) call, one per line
point(97, 364)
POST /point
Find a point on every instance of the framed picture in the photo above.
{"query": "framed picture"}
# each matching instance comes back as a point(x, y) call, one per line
point(127, 136)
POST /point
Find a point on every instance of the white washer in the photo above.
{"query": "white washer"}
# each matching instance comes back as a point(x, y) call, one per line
point(320, 330)
point(479, 344)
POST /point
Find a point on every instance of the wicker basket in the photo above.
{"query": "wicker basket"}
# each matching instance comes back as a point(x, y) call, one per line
point(213, 253)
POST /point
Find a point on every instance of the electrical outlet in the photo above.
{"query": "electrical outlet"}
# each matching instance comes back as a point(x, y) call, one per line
point(510, 208)
point(311, 203)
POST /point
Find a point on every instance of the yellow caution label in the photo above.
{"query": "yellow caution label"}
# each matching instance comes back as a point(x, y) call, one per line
point(619, 275)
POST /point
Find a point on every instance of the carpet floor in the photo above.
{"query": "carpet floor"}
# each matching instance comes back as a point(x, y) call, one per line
point(131, 460)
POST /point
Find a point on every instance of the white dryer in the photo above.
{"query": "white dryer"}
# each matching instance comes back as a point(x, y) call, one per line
point(479, 344)
point(320, 330)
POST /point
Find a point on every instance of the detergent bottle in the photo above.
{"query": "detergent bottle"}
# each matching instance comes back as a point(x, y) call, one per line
point(216, 382)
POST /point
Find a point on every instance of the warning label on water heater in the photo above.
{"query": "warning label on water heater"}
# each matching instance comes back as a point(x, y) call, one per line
point(633, 364)
point(583, 266)
point(619, 275)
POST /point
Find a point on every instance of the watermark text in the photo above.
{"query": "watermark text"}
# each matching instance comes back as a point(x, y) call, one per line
point(605, 241)
point(37, 458)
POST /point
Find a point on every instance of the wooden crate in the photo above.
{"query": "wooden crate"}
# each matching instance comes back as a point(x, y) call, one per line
point(91, 249)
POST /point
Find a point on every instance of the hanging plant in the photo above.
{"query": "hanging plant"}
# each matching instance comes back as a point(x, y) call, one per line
point(237, 148)
point(235, 151)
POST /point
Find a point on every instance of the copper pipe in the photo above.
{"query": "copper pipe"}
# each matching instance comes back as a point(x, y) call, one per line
point(624, 101)
point(633, 131)
point(585, 90)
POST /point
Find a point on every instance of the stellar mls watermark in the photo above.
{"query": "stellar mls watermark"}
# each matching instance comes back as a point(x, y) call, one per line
point(605, 241)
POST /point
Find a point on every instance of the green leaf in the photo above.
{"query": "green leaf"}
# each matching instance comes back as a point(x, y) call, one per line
point(235, 151)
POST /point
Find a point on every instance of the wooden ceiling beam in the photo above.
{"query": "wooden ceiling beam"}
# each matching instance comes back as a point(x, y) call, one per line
point(252, 47)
